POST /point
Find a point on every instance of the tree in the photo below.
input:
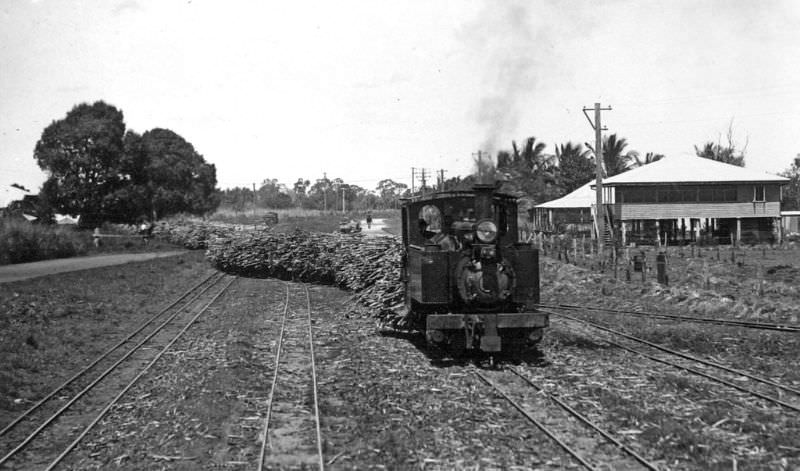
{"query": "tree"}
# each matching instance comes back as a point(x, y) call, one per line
point(649, 158)
point(272, 194)
point(728, 154)
point(178, 179)
point(791, 193)
point(576, 168)
point(83, 157)
point(389, 191)
point(236, 198)
point(615, 160)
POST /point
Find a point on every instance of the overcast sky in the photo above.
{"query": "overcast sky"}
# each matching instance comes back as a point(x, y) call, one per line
point(366, 90)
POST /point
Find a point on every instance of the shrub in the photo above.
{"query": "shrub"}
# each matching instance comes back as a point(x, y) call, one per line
point(21, 241)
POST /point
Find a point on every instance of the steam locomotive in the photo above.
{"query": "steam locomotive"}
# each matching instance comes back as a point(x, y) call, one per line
point(469, 282)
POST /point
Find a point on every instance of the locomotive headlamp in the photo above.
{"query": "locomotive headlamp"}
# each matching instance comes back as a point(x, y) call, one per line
point(486, 231)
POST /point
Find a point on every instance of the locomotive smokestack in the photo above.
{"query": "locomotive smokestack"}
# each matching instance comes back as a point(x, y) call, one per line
point(483, 200)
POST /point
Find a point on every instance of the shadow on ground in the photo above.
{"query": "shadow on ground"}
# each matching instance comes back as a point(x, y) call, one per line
point(441, 358)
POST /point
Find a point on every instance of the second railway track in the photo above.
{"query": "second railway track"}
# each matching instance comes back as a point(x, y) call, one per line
point(761, 388)
point(291, 436)
point(586, 443)
point(47, 432)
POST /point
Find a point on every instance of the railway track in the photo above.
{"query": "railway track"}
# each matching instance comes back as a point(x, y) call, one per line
point(776, 391)
point(598, 449)
point(53, 427)
point(292, 420)
point(703, 320)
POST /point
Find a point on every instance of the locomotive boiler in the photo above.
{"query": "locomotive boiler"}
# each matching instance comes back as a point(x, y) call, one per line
point(469, 282)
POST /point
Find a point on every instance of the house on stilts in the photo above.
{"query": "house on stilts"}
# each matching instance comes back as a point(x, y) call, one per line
point(693, 199)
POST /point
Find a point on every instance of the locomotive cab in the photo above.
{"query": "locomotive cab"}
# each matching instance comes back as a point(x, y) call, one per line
point(469, 282)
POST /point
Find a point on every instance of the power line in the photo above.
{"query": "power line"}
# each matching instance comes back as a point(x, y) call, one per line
point(792, 89)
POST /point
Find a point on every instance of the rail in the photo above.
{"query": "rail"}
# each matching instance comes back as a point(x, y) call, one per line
point(692, 358)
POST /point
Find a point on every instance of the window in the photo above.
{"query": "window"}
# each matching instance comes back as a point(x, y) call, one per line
point(759, 193)
point(724, 195)
point(429, 219)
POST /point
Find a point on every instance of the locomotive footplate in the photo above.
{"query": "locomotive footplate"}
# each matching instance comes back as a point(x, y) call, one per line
point(490, 340)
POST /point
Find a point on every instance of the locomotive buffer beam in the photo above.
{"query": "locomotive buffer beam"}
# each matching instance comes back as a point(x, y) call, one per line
point(489, 323)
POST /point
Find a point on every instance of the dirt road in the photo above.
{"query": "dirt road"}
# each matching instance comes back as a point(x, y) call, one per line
point(24, 271)
point(375, 229)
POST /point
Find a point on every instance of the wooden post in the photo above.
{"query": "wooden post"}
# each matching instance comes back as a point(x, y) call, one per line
point(760, 278)
point(583, 247)
point(738, 230)
point(661, 269)
point(575, 250)
point(644, 267)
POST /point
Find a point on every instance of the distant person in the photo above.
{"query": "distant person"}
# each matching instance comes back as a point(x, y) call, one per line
point(96, 237)
point(369, 220)
point(146, 231)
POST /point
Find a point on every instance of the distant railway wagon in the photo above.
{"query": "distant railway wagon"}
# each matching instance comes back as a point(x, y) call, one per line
point(469, 282)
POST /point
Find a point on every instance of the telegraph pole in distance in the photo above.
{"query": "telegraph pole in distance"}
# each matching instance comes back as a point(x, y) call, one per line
point(599, 219)
point(441, 179)
point(423, 180)
point(479, 155)
point(254, 199)
point(324, 182)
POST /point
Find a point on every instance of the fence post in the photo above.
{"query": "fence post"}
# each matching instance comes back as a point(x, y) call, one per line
point(644, 267)
point(760, 277)
point(661, 269)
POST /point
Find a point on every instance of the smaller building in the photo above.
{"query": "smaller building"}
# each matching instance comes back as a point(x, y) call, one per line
point(572, 213)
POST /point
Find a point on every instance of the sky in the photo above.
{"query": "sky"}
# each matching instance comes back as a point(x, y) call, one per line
point(366, 90)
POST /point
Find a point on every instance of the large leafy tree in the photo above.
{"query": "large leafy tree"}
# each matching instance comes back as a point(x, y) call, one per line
point(389, 191)
point(272, 194)
point(178, 179)
point(83, 156)
point(576, 168)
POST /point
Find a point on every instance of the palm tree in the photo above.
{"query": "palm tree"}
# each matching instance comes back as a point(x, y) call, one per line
point(727, 154)
point(649, 158)
point(530, 155)
point(575, 166)
point(615, 160)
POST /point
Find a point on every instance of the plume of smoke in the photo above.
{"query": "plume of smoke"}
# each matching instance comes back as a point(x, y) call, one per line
point(504, 35)
point(485, 169)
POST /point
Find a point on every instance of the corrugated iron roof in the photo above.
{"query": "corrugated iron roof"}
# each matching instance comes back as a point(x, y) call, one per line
point(691, 169)
point(583, 197)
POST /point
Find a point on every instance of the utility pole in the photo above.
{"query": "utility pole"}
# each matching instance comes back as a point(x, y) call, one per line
point(423, 181)
point(254, 199)
point(441, 179)
point(413, 177)
point(599, 212)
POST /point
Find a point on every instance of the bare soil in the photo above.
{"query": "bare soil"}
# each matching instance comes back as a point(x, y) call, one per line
point(387, 402)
